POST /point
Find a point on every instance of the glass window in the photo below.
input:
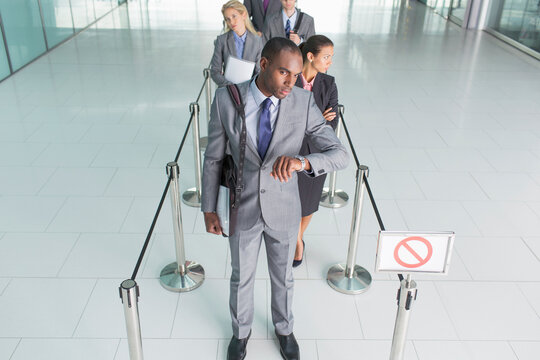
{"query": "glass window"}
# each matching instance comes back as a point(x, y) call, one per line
point(24, 32)
point(57, 19)
point(102, 7)
point(83, 13)
point(4, 65)
point(517, 19)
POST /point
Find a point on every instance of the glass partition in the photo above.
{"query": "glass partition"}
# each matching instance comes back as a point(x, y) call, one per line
point(102, 7)
point(57, 21)
point(4, 64)
point(83, 13)
point(517, 19)
point(23, 31)
point(457, 11)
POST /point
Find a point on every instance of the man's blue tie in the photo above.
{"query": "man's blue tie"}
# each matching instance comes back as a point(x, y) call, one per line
point(288, 29)
point(265, 130)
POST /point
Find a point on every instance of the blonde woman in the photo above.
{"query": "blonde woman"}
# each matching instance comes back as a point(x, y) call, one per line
point(240, 40)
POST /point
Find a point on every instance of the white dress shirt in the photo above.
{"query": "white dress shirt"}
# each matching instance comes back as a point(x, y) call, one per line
point(253, 108)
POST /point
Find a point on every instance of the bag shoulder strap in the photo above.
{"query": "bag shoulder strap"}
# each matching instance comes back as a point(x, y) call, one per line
point(238, 103)
point(298, 21)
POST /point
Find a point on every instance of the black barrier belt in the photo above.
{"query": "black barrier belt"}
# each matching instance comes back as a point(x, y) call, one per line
point(158, 211)
point(371, 197)
point(202, 87)
point(149, 236)
point(349, 139)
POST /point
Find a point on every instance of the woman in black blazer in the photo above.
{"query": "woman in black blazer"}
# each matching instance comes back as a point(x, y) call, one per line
point(317, 53)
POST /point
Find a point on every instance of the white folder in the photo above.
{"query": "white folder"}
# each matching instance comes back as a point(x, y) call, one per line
point(238, 70)
point(222, 208)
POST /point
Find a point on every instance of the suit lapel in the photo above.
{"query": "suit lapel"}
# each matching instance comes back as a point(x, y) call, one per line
point(244, 93)
point(281, 24)
point(230, 43)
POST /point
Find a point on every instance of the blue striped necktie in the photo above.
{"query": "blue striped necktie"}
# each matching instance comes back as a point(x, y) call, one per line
point(265, 130)
point(288, 29)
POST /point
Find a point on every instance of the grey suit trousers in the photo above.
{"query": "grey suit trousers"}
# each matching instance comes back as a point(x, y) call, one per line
point(280, 248)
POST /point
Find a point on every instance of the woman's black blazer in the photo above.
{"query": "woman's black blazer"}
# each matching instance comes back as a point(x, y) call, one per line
point(325, 94)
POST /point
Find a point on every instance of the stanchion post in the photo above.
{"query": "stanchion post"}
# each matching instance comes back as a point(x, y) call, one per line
point(350, 278)
point(331, 197)
point(208, 88)
point(405, 298)
point(192, 196)
point(182, 275)
point(129, 293)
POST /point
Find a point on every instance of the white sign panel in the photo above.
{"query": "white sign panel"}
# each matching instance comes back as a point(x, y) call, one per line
point(414, 252)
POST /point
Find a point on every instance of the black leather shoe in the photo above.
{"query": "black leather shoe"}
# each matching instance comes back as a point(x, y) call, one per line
point(288, 347)
point(237, 348)
point(296, 263)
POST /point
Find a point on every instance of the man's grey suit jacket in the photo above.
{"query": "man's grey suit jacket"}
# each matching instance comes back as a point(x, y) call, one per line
point(278, 203)
point(225, 46)
point(255, 9)
point(274, 27)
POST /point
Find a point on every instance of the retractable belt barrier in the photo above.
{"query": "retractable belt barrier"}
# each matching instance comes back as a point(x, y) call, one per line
point(181, 275)
point(398, 252)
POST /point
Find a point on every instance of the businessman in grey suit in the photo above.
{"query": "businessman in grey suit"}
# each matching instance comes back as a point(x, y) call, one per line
point(225, 46)
point(256, 9)
point(283, 24)
point(278, 116)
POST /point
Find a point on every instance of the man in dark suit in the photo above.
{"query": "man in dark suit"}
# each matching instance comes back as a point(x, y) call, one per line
point(289, 23)
point(278, 117)
point(259, 9)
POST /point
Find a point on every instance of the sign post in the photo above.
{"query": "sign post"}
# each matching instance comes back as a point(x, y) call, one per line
point(407, 252)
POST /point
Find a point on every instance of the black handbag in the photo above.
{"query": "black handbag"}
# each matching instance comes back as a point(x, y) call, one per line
point(232, 176)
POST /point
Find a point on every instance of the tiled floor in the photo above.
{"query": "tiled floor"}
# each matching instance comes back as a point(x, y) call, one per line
point(447, 121)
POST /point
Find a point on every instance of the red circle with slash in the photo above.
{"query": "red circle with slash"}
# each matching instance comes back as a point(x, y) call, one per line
point(405, 244)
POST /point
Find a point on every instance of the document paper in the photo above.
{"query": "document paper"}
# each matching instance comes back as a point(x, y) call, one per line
point(238, 70)
point(222, 208)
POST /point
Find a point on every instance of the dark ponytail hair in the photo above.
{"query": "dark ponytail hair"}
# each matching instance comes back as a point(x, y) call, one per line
point(313, 45)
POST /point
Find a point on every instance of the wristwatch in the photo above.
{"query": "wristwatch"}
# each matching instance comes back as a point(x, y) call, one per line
point(302, 160)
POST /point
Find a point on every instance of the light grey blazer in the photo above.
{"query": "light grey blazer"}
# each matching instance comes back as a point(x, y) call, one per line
point(274, 27)
point(255, 9)
point(225, 46)
point(278, 203)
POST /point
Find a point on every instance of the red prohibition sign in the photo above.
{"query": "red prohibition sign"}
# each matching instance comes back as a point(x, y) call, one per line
point(421, 260)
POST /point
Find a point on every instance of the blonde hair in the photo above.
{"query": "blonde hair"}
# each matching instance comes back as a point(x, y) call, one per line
point(238, 6)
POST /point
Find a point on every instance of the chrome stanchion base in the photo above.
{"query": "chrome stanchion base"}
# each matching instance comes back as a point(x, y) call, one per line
point(172, 280)
point(339, 200)
point(191, 197)
point(357, 284)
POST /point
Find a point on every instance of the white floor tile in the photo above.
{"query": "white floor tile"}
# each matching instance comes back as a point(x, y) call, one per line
point(208, 250)
point(17, 132)
point(66, 349)
point(124, 155)
point(160, 134)
point(511, 160)
point(532, 293)
point(449, 186)
point(98, 115)
point(28, 214)
point(206, 310)
point(519, 187)
point(68, 155)
point(85, 214)
point(526, 350)
point(22, 255)
point(474, 308)
point(78, 182)
point(438, 216)
point(337, 311)
point(377, 309)
point(459, 160)
point(7, 347)
point(518, 139)
point(137, 182)
point(364, 349)
point(467, 138)
point(54, 313)
point(534, 244)
point(483, 258)
point(23, 180)
point(19, 154)
point(503, 218)
point(156, 308)
point(59, 133)
point(417, 138)
point(50, 114)
point(99, 133)
point(117, 254)
point(466, 350)
point(3, 284)
point(172, 349)
point(402, 159)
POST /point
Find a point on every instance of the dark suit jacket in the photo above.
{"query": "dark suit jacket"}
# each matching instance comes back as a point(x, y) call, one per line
point(325, 94)
point(256, 11)
point(274, 27)
point(225, 46)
